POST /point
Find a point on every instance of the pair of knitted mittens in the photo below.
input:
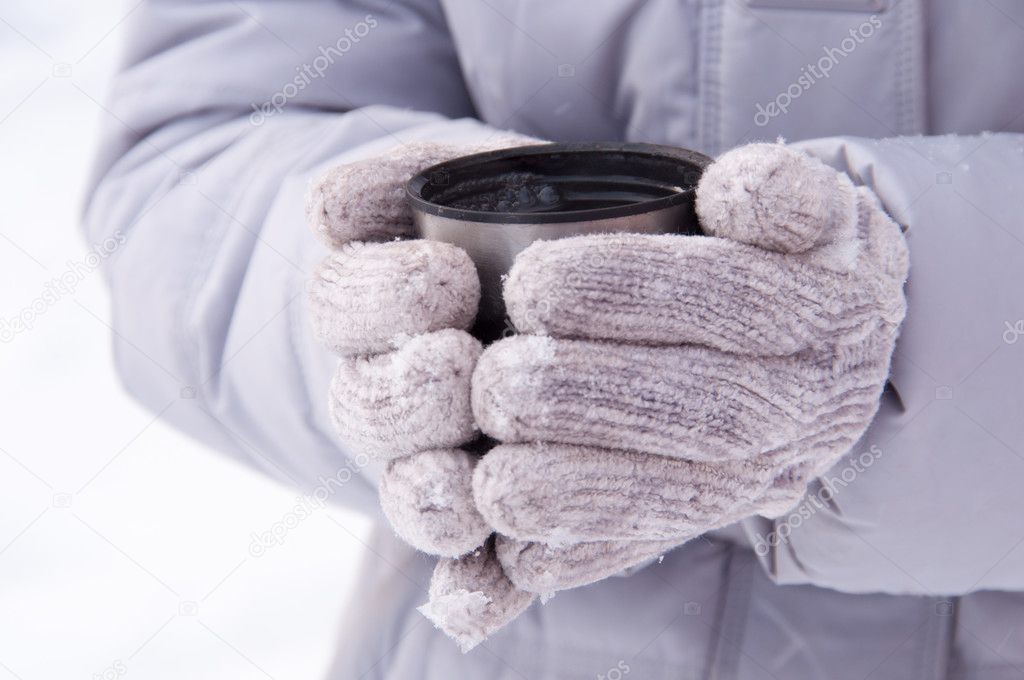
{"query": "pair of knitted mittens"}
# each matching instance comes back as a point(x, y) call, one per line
point(659, 387)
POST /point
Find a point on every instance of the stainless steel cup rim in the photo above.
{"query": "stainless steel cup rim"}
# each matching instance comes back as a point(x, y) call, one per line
point(670, 164)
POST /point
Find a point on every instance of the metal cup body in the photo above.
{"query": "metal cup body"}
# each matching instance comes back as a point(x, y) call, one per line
point(493, 248)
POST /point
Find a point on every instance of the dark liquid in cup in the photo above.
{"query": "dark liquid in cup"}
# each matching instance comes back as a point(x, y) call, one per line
point(524, 192)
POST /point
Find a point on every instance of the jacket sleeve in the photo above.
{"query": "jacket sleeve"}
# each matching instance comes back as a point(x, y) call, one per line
point(930, 500)
point(222, 113)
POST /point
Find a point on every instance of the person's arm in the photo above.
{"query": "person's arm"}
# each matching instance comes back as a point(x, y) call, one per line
point(930, 500)
point(221, 115)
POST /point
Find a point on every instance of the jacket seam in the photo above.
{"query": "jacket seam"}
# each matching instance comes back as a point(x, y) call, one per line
point(733, 611)
point(942, 641)
point(908, 68)
point(902, 77)
point(196, 278)
point(709, 81)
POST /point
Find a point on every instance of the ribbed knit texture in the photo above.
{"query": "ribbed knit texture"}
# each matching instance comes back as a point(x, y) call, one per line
point(568, 494)
point(682, 402)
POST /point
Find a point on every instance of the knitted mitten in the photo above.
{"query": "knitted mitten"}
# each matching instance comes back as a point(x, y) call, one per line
point(396, 313)
point(665, 386)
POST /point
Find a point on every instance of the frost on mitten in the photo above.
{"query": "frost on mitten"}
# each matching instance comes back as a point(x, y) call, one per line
point(369, 297)
point(543, 569)
point(471, 597)
point(428, 498)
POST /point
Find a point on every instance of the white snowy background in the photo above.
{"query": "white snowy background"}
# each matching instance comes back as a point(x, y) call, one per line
point(123, 545)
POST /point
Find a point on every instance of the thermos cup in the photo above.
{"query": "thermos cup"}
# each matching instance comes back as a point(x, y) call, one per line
point(495, 204)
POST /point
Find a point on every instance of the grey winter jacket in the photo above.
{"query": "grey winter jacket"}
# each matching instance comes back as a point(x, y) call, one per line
point(905, 561)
